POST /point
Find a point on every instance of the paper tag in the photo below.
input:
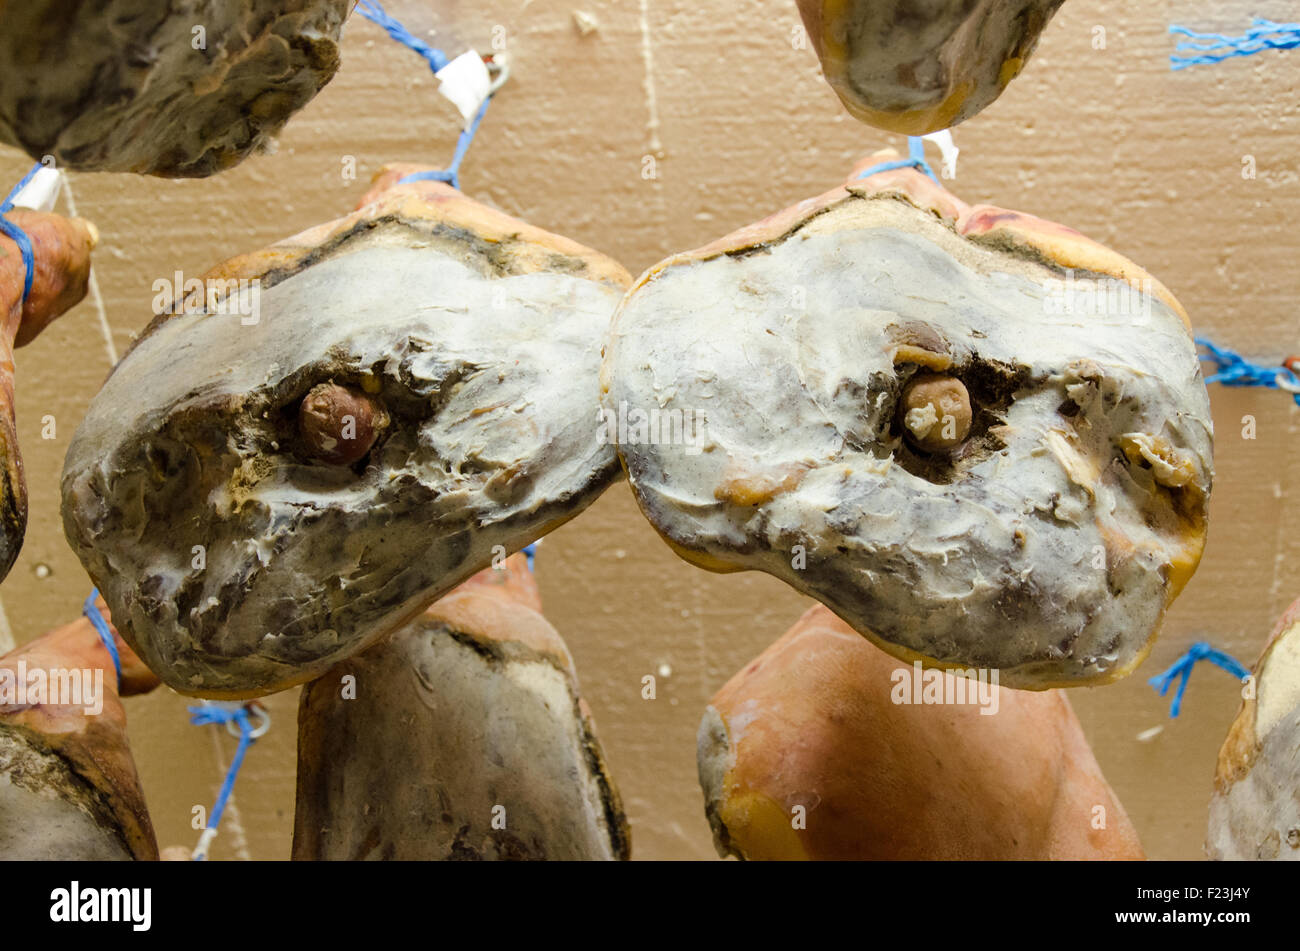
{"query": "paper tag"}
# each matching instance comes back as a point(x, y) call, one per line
point(466, 82)
point(949, 150)
point(42, 191)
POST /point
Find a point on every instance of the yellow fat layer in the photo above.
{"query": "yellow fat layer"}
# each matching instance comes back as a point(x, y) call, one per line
point(759, 828)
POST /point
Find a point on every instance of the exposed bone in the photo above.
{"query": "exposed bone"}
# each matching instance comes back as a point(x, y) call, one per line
point(480, 337)
point(919, 66)
point(936, 411)
point(1255, 810)
point(1048, 544)
point(464, 739)
point(340, 424)
point(61, 251)
point(806, 754)
point(177, 90)
point(68, 785)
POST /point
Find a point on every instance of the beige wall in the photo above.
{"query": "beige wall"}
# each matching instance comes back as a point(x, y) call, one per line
point(1108, 141)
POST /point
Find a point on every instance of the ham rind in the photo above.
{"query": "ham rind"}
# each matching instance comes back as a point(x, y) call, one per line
point(460, 737)
point(826, 748)
point(1047, 542)
point(68, 784)
point(241, 557)
point(175, 90)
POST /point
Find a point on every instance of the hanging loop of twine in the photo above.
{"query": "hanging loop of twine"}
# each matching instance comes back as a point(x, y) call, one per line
point(235, 716)
point(437, 60)
point(915, 159)
point(17, 234)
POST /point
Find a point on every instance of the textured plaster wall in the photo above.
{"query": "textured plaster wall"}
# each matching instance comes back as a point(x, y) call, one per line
point(739, 124)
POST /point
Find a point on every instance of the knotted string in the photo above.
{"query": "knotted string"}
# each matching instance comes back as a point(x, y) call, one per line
point(91, 610)
point(17, 234)
point(915, 159)
point(1215, 47)
point(371, 10)
point(1232, 369)
point(1182, 669)
point(225, 713)
point(530, 552)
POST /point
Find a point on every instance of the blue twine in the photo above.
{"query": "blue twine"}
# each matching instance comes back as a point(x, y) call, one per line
point(17, 234)
point(91, 610)
point(1215, 47)
point(451, 174)
point(530, 552)
point(1232, 369)
point(1182, 669)
point(371, 10)
point(211, 713)
point(915, 159)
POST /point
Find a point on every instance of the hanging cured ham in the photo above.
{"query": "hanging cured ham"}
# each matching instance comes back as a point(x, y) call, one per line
point(352, 422)
point(825, 747)
point(460, 737)
point(180, 90)
point(61, 255)
point(68, 784)
point(1255, 810)
point(979, 437)
point(918, 66)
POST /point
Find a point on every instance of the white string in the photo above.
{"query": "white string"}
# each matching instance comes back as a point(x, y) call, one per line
point(230, 821)
point(6, 632)
point(95, 296)
point(651, 97)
